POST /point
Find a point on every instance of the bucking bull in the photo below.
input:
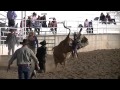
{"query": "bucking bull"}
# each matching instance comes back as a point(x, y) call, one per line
point(61, 51)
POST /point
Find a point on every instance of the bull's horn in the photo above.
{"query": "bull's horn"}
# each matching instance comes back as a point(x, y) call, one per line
point(66, 26)
point(80, 30)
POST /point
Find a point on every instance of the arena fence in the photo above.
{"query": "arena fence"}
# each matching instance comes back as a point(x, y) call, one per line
point(45, 32)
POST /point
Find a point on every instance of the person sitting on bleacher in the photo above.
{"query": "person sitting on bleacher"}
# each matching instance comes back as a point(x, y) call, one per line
point(110, 20)
point(103, 18)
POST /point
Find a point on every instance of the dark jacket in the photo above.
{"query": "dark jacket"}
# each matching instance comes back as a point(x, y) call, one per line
point(41, 53)
point(102, 18)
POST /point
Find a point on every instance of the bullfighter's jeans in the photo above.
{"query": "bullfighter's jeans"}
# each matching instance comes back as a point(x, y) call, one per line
point(24, 71)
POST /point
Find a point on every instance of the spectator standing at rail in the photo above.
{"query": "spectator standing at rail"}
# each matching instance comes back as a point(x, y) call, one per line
point(49, 24)
point(23, 56)
point(86, 25)
point(33, 41)
point(38, 25)
point(22, 25)
point(54, 25)
point(90, 27)
point(11, 41)
point(44, 21)
point(28, 24)
point(11, 15)
point(33, 19)
point(41, 55)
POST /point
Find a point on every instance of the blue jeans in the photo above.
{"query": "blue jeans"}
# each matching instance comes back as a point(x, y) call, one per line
point(23, 71)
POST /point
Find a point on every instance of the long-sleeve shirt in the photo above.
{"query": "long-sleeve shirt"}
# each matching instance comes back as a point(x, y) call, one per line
point(23, 56)
point(33, 41)
point(11, 15)
point(41, 53)
point(11, 39)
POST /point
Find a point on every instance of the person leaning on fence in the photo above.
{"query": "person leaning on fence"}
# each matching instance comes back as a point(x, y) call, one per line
point(23, 56)
point(11, 40)
point(33, 41)
point(41, 55)
point(11, 15)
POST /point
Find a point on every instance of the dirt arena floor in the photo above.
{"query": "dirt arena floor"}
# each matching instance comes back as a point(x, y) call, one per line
point(98, 64)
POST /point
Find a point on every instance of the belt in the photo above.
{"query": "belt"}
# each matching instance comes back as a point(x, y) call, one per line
point(24, 65)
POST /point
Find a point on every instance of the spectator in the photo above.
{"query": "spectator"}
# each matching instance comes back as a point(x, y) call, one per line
point(22, 23)
point(80, 26)
point(103, 18)
point(86, 25)
point(11, 15)
point(33, 41)
point(33, 19)
point(44, 22)
point(11, 40)
point(38, 25)
point(28, 24)
point(50, 24)
point(54, 25)
point(23, 56)
point(41, 55)
point(90, 27)
point(110, 20)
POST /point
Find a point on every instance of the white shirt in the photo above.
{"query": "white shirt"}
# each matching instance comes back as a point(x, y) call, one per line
point(86, 24)
point(33, 19)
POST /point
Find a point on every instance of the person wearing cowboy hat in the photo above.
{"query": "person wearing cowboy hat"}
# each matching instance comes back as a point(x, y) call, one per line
point(23, 56)
point(11, 41)
point(41, 55)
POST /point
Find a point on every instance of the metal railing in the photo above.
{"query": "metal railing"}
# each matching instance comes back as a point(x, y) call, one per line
point(97, 27)
point(4, 20)
point(61, 30)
